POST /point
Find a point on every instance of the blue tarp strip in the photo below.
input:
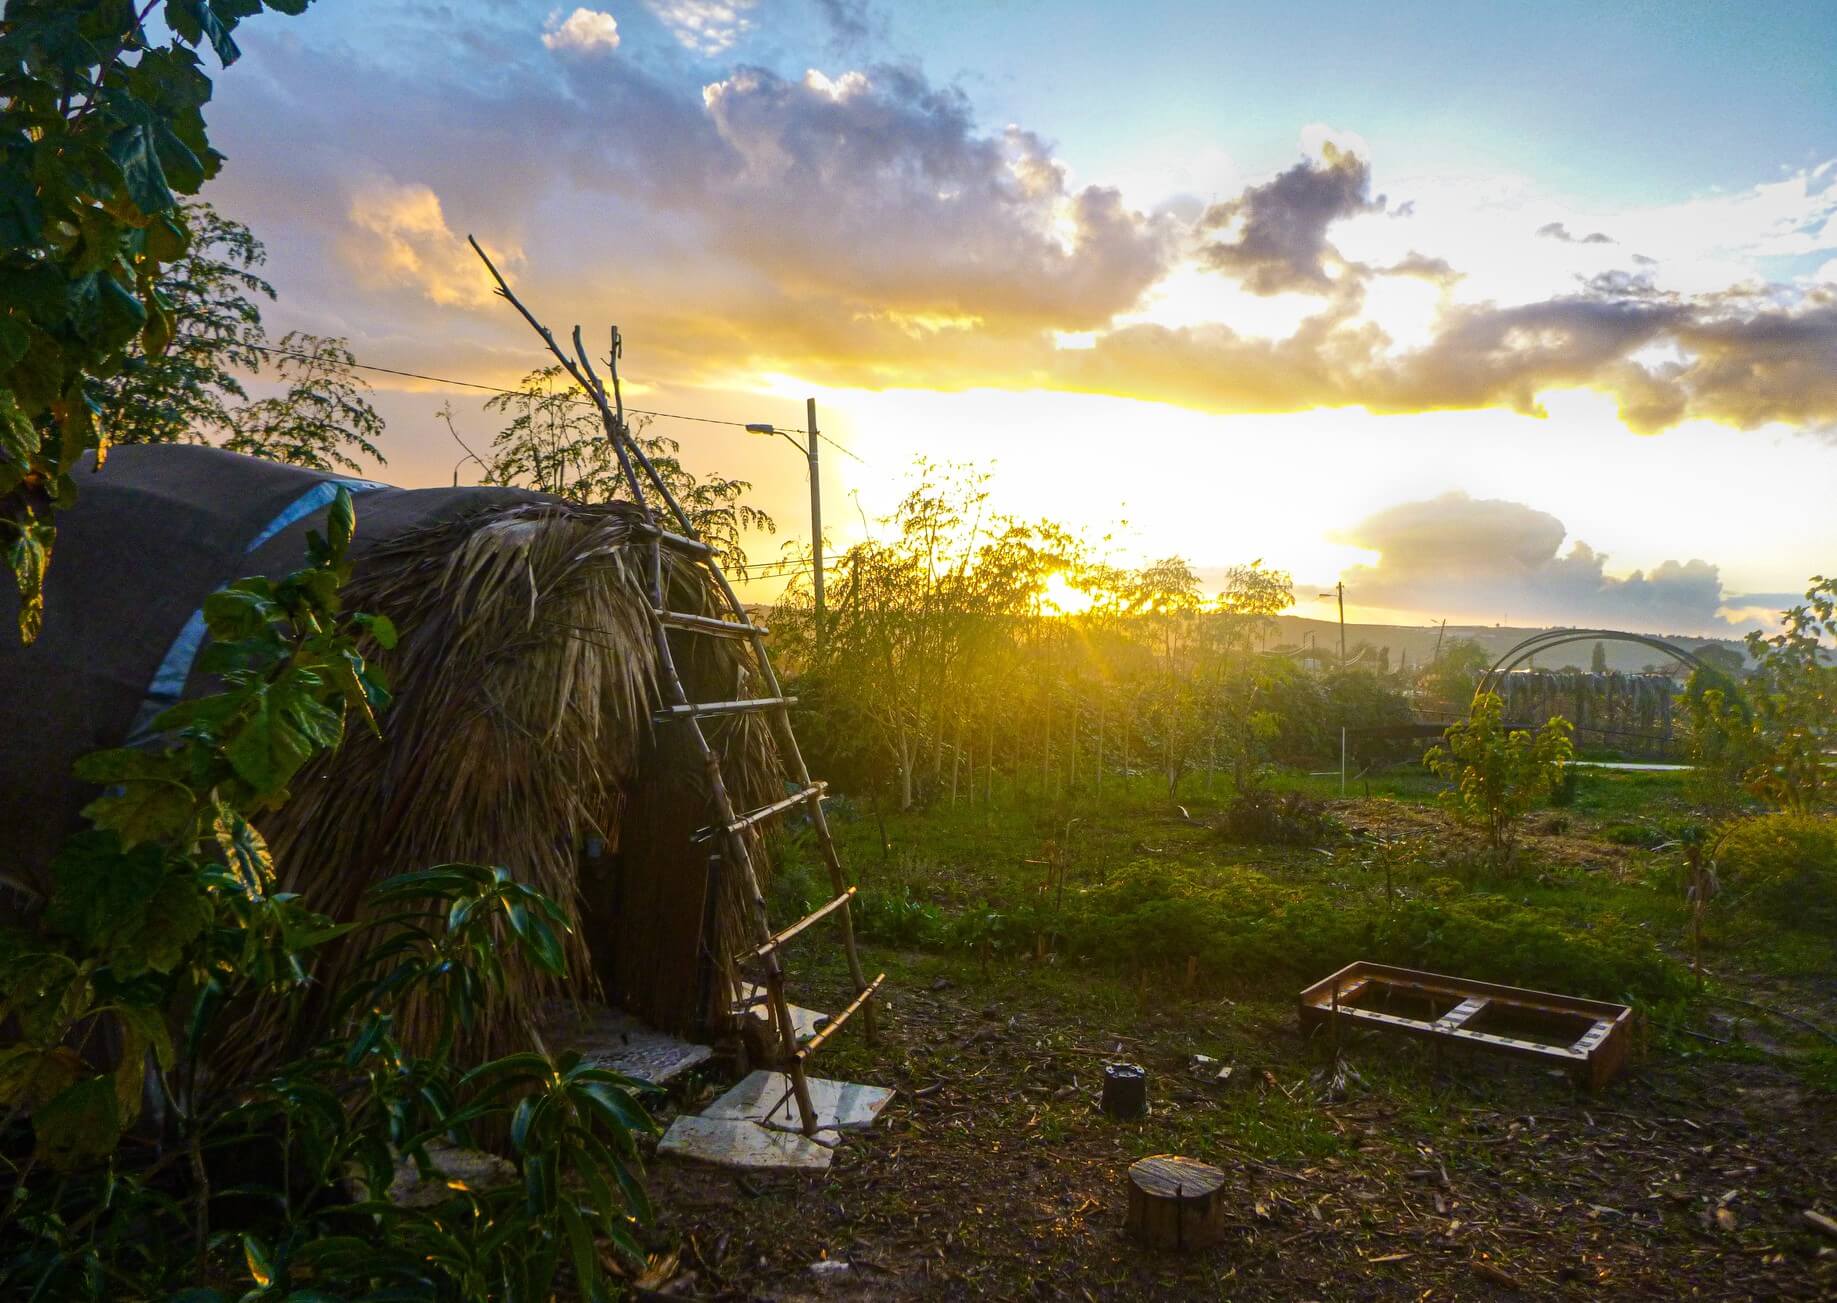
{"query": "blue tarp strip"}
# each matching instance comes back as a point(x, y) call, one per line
point(175, 667)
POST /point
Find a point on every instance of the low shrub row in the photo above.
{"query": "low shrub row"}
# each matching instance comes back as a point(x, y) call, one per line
point(1241, 928)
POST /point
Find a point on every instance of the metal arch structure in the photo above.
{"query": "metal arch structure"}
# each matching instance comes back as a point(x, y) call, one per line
point(1553, 638)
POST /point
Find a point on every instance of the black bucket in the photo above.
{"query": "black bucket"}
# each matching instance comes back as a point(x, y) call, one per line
point(1125, 1091)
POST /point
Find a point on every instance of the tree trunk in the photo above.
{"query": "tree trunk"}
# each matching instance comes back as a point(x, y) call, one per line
point(956, 760)
point(989, 794)
point(905, 770)
point(1100, 724)
point(1046, 755)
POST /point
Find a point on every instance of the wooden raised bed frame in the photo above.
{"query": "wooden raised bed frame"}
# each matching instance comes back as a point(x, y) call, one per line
point(1593, 1055)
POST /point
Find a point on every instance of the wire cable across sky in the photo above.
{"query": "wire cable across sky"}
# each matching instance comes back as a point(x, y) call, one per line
point(497, 389)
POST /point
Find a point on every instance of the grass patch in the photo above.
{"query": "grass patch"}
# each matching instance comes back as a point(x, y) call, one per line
point(1130, 888)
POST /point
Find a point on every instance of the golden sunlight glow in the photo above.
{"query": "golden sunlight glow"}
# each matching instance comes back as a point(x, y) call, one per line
point(1060, 598)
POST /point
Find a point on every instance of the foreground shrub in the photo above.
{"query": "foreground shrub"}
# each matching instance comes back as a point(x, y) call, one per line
point(1783, 867)
point(1269, 819)
point(1498, 773)
point(130, 1130)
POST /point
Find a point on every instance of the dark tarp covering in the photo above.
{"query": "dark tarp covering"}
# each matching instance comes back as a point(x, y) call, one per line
point(153, 533)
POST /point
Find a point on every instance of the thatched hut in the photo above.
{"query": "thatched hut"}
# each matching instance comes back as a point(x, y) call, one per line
point(520, 734)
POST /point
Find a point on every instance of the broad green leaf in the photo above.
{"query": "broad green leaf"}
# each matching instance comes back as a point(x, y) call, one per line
point(79, 1125)
point(241, 610)
point(195, 20)
point(284, 729)
point(380, 627)
point(21, 218)
point(148, 800)
point(133, 150)
point(32, 1074)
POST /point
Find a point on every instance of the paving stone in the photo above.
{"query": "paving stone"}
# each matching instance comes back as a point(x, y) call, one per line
point(612, 1038)
point(729, 1142)
point(764, 1097)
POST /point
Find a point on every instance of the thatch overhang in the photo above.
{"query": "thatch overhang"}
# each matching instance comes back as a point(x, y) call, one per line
point(520, 734)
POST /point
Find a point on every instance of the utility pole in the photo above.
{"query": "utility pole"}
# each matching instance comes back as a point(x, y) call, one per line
point(1339, 589)
point(809, 447)
point(816, 518)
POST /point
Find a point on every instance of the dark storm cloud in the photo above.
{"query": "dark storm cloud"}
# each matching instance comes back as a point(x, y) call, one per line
point(1275, 234)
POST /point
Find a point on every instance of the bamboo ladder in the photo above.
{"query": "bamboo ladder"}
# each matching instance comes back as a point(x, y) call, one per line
point(731, 827)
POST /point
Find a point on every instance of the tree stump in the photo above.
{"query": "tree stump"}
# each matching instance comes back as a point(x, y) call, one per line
point(1174, 1203)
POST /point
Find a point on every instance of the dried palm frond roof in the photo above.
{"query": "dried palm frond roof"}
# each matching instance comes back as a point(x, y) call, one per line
point(524, 681)
point(524, 684)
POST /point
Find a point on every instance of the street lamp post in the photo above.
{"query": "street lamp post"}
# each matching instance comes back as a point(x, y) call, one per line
point(809, 447)
point(1339, 589)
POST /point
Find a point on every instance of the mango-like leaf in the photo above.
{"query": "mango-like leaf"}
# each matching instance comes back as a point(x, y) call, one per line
point(340, 523)
point(260, 1260)
point(28, 556)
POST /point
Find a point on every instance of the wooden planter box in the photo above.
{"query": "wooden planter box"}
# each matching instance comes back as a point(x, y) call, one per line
point(1587, 1038)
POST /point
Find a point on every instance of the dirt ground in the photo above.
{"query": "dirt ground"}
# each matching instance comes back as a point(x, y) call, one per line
point(1380, 1168)
point(992, 1174)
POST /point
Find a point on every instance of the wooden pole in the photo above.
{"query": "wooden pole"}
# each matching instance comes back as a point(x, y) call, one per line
point(812, 441)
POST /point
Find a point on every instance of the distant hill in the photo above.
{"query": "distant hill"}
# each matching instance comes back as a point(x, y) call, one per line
point(1419, 642)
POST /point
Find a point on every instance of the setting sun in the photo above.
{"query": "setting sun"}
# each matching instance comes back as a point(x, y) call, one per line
point(1060, 598)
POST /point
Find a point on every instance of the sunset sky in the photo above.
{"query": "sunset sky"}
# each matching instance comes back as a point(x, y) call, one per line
point(1520, 313)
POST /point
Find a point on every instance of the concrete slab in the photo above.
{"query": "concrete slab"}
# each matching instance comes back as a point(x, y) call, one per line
point(808, 1022)
point(612, 1038)
point(765, 1098)
point(736, 1143)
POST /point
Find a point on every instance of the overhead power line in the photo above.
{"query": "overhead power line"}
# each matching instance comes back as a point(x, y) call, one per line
point(497, 389)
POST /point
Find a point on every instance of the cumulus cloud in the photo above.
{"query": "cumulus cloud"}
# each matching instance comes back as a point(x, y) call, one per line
point(864, 227)
point(1479, 557)
point(588, 31)
point(879, 186)
point(1274, 235)
point(400, 237)
point(704, 27)
point(1559, 231)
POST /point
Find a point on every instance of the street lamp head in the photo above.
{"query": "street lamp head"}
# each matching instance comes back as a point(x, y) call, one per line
point(761, 427)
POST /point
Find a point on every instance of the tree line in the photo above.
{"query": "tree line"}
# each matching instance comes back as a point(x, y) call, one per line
point(965, 652)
